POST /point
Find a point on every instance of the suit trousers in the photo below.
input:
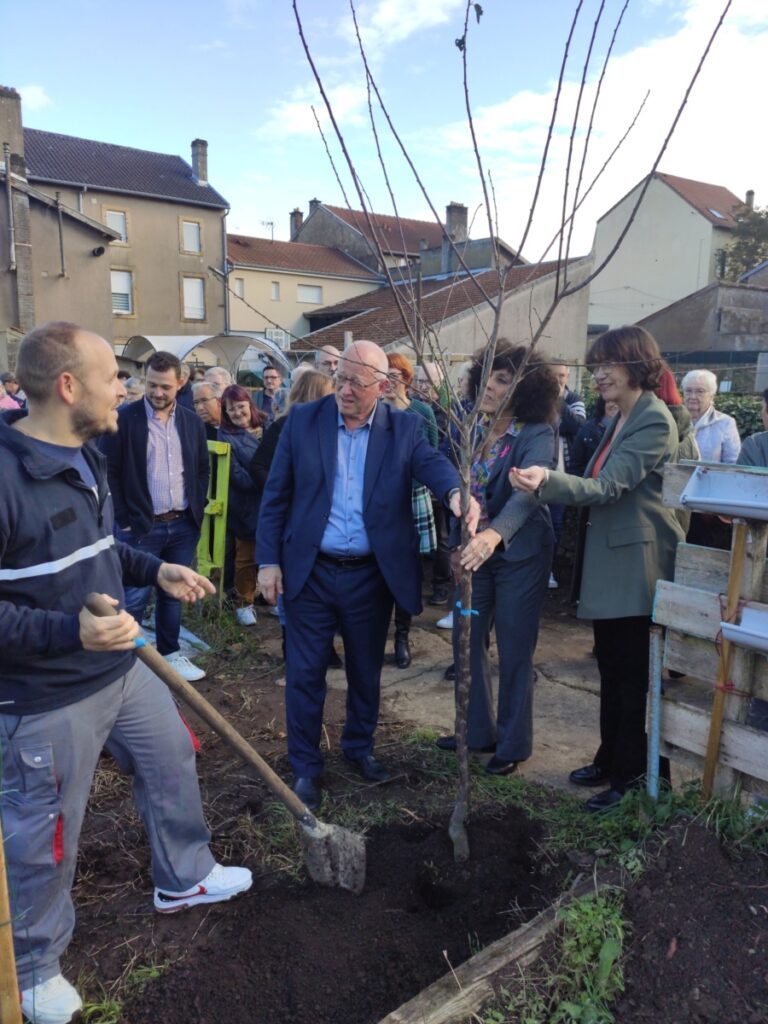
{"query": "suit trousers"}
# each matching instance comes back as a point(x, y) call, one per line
point(622, 649)
point(48, 762)
point(356, 602)
point(510, 596)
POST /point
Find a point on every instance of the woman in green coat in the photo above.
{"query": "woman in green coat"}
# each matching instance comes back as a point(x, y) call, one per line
point(628, 544)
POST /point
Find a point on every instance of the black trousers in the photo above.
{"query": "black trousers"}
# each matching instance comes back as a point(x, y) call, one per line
point(622, 649)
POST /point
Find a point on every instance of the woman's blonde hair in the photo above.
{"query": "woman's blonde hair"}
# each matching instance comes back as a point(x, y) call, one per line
point(310, 386)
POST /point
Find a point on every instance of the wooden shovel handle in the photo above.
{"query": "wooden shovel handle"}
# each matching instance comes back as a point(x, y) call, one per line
point(10, 1008)
point(96, 605)
point(735, 576)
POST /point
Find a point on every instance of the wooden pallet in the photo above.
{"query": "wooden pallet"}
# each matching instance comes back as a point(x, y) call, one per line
point(691, 609)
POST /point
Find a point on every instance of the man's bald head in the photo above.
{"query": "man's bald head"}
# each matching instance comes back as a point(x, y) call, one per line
point(50, 350)
point(365, 354)
point(360, 380)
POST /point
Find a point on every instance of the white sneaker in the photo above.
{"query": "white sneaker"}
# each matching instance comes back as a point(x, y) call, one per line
point(221, 884)
point(186, 669)
point(246, 616)
point(446, 622)
point(51, 1002)
point(553, 584)
point(273, 611)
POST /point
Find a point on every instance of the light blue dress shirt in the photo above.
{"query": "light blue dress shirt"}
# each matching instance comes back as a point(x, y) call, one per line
point(345, 535)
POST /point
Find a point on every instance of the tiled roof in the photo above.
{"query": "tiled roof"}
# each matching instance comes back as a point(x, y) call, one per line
point(376, 315)
point(714, 202)
point(244, 250)
point(67, 160)
point(395, 235)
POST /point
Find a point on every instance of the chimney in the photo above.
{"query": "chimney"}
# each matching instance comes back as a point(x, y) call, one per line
point(297, 219)
point(10, 128)
point(750, 201)
point(313, 205)
point(200, 161)
point(456, 222)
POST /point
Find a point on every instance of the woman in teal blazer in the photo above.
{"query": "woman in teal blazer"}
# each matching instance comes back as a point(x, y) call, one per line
point(628, 542)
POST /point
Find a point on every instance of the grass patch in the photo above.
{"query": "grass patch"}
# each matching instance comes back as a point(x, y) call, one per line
point(577, 981)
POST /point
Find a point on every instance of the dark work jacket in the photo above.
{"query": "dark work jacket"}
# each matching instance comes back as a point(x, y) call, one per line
point(56, 547)
point(126, 453)
point(243, 506)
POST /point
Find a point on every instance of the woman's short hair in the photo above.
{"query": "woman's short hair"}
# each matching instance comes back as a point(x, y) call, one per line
point(536, 396)
point(310, 386)
point(397, 361)
point(632, 347)
point(236, 393)
point(706, 377)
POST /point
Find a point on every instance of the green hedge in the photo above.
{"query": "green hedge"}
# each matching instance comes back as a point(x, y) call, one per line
point(745, 409)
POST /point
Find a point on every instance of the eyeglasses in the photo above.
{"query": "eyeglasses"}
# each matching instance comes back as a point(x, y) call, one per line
point(357, 385)
point(695, 392)
point(204, 401)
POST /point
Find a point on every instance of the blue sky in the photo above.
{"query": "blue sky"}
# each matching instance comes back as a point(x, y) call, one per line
point(155, 76)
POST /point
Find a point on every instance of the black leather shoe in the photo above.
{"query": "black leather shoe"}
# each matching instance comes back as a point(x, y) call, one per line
point(335, 661)
point(402, 652)
point(450, 673)
point(498, 767)
point(438, 596)
point(307, 789)
point(589, 775)
point(370, 768)
point(604, 801)
point(449, 743)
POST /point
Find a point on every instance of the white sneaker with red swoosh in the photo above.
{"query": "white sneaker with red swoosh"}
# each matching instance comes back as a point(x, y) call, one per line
point(220, 884)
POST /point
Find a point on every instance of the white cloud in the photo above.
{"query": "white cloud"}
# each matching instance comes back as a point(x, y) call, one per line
point(294, 117)
point(34, 97)
point(385, 23)
point(215, 44)
point(719, 138)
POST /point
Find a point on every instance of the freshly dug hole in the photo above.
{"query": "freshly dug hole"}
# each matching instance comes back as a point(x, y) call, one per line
point(285, 955)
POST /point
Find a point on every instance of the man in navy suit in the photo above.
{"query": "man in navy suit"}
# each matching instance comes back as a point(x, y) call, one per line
point(336, 537)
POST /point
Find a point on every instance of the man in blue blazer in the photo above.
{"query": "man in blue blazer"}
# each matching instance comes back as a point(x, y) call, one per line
point(157, 464)
point(336, 537)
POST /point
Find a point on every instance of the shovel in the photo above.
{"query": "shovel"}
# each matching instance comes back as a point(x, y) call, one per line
point(333, 856)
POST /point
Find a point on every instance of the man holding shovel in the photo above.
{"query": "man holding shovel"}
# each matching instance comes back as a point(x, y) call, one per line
point(70, 683)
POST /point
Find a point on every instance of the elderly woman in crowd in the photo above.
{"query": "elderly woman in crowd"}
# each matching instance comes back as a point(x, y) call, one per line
point(241, 427)
point(627, 544)
point(716, 434)
point(717, 438)
point(511, 553)
point(399, 380)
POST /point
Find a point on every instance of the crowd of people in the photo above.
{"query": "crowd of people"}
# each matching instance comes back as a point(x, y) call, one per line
point(342, 483)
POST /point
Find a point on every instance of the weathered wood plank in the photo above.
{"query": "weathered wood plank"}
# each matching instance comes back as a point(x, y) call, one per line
point(458, 995)
point(676, 476)
point(741, 748)
point(687, 609)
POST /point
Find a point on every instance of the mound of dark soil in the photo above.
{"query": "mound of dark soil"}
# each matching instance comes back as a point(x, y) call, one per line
point(698, 941)
point(288, 955)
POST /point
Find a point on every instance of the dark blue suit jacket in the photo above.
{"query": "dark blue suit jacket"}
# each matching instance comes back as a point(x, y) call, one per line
point(126, 453)
point(299, 490)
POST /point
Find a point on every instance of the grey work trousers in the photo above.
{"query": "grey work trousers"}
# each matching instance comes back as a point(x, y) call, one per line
point(47, 762)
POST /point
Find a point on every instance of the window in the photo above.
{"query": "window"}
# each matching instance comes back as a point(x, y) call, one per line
point(190, 236)
point(122, 292)
point(118, 221)
point(194, 298)
point(277, 335)
point(310, 293)
point(275, 291)
point(240, 287)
